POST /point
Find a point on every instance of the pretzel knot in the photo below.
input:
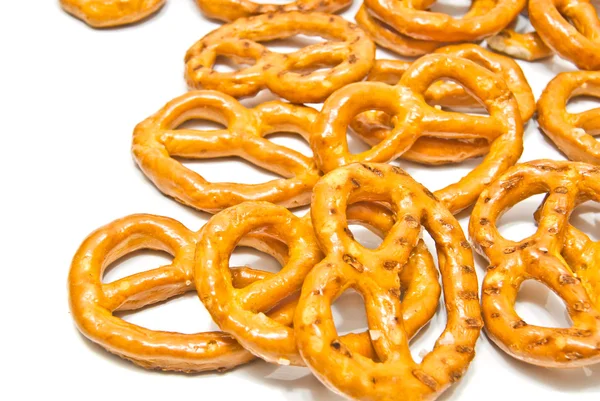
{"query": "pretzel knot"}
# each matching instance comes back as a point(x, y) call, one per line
point(557, 255)
point(409, 17)
point(374, 126)
point(412, 118)
point(293, 76)
point(107, 13)
point(578, 42)
point(240, 311)
point(230, 10)
point(572, 133)
point(374, 274)
point(93, 302)
point(156, 141)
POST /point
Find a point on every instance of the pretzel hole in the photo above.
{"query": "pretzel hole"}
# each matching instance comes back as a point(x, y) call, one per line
point(453, 8)
point(538, 305)
point(135, 262)
point(200, 124)
point(291, 140)
point(229, 169)
point(518, 222)
point(586, 217)
point(356, 144)
point(255, 259)
point(293, 43)
point(172, 315)
point(349, 313)
point(435, 177)
point(365, 236)
point(231, 63)
point(424, 341)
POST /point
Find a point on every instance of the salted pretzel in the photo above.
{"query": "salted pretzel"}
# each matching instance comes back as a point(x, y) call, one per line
point(389, 39)
point(239, 311)
point(413, 118)
point(569, 27)
point(109, 13)
point(230, 10)
point(538, 257)
point(93, 302)
point(374, 126)
point(348, 51)
point(572, 133)
point(374, 274)
point(411, 18)
point(157, 140)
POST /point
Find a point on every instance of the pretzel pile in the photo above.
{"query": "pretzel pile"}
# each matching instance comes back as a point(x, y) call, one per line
point(422, 111)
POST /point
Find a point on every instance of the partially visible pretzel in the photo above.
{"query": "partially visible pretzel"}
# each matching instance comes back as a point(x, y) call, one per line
point(109, 13)
point(349, 53)
point(374, 274)
point(157, 140)
point(239, 311)
point(385, 37)
point(572, 133)
point(230, 10)
point(579, 42)
point(525, 46)
point(538, 257)
point(374, 126)
point(413, 118)
point(485, 18)
point(93, 302)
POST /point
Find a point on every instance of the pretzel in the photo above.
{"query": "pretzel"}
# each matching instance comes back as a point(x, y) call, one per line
point(156, 141)
point(525, 46)
point(572, 133)
point(374, 126)
point(93, 303)
point(349, 53)
point(230, 10)
point(374, 274)
point(538, 257)
point(239, 311)
point(411, 18)
point(109, 13)
point(578, 43)
point(390, 39)
point(413, 118)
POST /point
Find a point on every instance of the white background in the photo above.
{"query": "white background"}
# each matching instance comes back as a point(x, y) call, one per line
point(70, 97)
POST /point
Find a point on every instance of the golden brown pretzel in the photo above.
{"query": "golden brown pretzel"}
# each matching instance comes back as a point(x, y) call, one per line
point(385, 37)
point(93, 302)
point(374, 126)
point(525, 46)
point(572, 133)
point(485, 18)
point(349, 53)
point(412, 118)
point(109, 13)
point(239, 311)
point(230, 10)
point(538, 257)
point(156, 141)
point(374, 274)
point(579, 42)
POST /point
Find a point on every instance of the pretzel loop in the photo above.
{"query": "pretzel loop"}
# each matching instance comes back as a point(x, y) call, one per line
point(572, 133)
point(109, 13)
point(375, 275)
point(349, 52)
point(156, 142)
point(230, 10)
point(538, 257)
